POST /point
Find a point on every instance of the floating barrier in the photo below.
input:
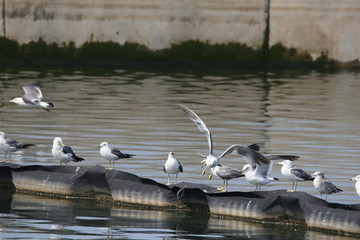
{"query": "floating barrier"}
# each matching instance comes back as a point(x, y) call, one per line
point(277, 206)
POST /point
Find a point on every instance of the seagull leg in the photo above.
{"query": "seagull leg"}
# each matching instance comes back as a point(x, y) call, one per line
point(210, 176)
point(168, 183)
point(225, 186)
point(292, 188)
point(203, 171)
point(221, 188)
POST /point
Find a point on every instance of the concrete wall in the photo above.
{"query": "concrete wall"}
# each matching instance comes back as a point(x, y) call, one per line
point(329, 26)
point(155, 23)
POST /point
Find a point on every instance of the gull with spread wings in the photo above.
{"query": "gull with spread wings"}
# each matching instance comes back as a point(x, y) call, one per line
point(32, 98)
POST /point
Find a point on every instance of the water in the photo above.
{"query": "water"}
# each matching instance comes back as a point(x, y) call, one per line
point(310, 114)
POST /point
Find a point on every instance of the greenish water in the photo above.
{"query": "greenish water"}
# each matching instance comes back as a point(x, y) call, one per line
point(310, 114)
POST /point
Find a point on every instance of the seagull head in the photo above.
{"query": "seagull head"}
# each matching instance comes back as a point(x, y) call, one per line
point(171, 155)
point(318, 174)
point(357, 178)
point(103, 144)
point(17, 100)
point(58, 141)
point(287, 163)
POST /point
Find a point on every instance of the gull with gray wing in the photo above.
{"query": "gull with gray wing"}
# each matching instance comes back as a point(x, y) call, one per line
point(32, 98)
point(8, 145)
point(112, 154)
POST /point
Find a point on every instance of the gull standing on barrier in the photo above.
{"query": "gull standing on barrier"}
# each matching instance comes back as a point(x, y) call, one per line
point(112, 154)
point(8, 145)
point(323, 185)
point(294, 174)
point(172, 166)
point(64, 153)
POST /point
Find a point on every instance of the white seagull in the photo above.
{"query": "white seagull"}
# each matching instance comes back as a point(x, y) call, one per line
point(32, 98)
point(294, 174)
point(357, 184)
point(259, 166)
point(323, 185)
point(210, 161)
point(8, 145)
point(250, 153)
point(112, 154)
point(64, 153)
point(226, 173)
point(172, 166)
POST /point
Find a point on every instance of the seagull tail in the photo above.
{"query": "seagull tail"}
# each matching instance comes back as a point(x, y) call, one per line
point(129, 155)
point(78, 159)
point(27, 145)
point(339, 190)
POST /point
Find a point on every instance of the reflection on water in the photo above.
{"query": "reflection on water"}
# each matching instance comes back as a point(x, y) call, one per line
point(313, 115)
point(34, 217)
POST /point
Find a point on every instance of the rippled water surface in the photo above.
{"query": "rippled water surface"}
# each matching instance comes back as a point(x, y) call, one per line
point(310, 114)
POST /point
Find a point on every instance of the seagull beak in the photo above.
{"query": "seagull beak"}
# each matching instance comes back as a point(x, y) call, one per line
point(62, 144)
point(352, 179)
point(99, 146)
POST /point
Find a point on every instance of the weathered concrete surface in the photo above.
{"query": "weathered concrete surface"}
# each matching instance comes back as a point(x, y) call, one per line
point(328, 26)
point(156, 23)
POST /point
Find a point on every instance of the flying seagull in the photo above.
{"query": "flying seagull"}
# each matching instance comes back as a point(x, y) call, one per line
point(64, 153)
point(250, 153)
point(294, 174)
point(112, 154)
point(32, 98)
point(8, 145)
point(323, 185)
point(172, 166)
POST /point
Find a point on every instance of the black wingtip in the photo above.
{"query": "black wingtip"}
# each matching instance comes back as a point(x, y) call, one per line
point(78, 159)
point(254, 146)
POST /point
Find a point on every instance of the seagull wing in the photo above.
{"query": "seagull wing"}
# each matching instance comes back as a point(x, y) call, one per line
point(251, 156)
point(299, 173)
point(201, 125)
point(32, 93)
point(282, 157)
point(225, 172)
point(119, 154)
point(68, 150)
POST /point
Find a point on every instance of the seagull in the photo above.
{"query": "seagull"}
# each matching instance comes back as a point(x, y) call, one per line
point(172, 166)
point(250, 153)
point(323, 185)
point(64, 153)
point(112, 154)
point(226, 173)
point(357, 184)
point(8, 145)
point(293, 173)
point(256, 177)
point(210, 161)
point(32, 98)
point(258, 166)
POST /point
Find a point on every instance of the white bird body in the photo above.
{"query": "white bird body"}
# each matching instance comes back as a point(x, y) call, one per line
point(256, 176)
point(112, 154)
point(8, 145)
point(32, 98)
point(64, 153)
point(357, 184)
point(294, 174)
point(172, 166)
point(323, 185)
